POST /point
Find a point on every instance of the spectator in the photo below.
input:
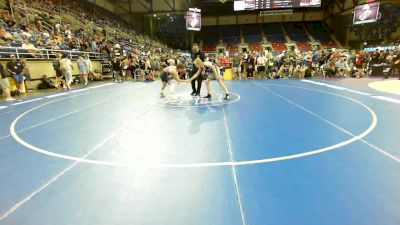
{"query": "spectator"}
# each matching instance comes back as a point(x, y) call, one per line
point(46, 83)
point(342, 67)
point(261, 63)
point(30, 48)
point(59, 76)
point(4, 84)
point(117, 69)
point(236, 66)
point(66, 69)
point(89, 66)
point(27, 75)
point(125, 67)
point(6, 36)
point(395, 64)
point(330, 69)
point(15, 68)
point(83, 69)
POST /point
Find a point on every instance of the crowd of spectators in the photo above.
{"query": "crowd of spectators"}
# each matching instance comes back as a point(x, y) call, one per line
point(35, 25)
point(64, 25)
point(297, 64)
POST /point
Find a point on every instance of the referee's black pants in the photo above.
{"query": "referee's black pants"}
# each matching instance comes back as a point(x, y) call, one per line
point(199, 81)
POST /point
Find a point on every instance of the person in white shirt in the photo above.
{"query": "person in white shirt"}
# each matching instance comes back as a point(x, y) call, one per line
point(30, 48)
point(89, 66)
point(66, 69)
point(342, 67)
point(68, 34)
point(261, 63)
point(57, 29)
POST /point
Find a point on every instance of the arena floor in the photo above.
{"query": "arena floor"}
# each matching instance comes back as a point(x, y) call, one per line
point(281, 152)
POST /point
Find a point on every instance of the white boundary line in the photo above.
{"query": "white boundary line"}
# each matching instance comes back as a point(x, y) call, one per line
point(33, 194)
point(23, 102)
point(206, 164)
point(56, 95)
point(334, 125)
point(79, 90)
point(54, 179)
point(384, 98)
point(233, 169)
point(359, 92)
point(219, 103)
point(3, 106)
point(388, 99)
point(67, 114)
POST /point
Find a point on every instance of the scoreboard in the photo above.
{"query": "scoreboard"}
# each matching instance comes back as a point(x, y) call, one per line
point(274, 4)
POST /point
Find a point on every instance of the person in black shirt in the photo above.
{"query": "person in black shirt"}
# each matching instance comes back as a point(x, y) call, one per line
point(15, 68)
point(46, 83)
point(117, 69)
point(197, 54)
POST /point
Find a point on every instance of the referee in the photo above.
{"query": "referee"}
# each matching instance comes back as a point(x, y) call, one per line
point(196, 53)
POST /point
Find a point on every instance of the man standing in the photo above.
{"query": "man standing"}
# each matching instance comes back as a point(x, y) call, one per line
point(66, 69)
point(117, 69)
point(83, 69)
point(196, 53)
point(236, 67)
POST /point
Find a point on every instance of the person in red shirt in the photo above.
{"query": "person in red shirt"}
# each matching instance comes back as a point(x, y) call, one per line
point(360, 63)
point(225, 63)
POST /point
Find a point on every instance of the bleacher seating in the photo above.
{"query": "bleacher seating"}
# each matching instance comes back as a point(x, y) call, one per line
point(230, 34)
point(232, 48)
point(253, 36)
point(318, 32)
point(255, 47)
point(274, 33)
point(296, 32)
point(210, 35)
point(303, 46)
point(252, 33)
point(210, 38)
point(279, 46)
point(209, 48)
point(329, 44)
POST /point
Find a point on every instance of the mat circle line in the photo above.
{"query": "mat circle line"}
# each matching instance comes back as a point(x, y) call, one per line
point(212, 103)
point(205, 164)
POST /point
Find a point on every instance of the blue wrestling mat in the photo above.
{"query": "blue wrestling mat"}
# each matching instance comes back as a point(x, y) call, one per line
point(279, 152)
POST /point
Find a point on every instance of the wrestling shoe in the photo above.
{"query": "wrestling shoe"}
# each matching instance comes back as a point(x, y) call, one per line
point(227, 97)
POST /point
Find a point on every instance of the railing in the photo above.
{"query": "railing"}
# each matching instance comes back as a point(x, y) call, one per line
point(5, 52)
